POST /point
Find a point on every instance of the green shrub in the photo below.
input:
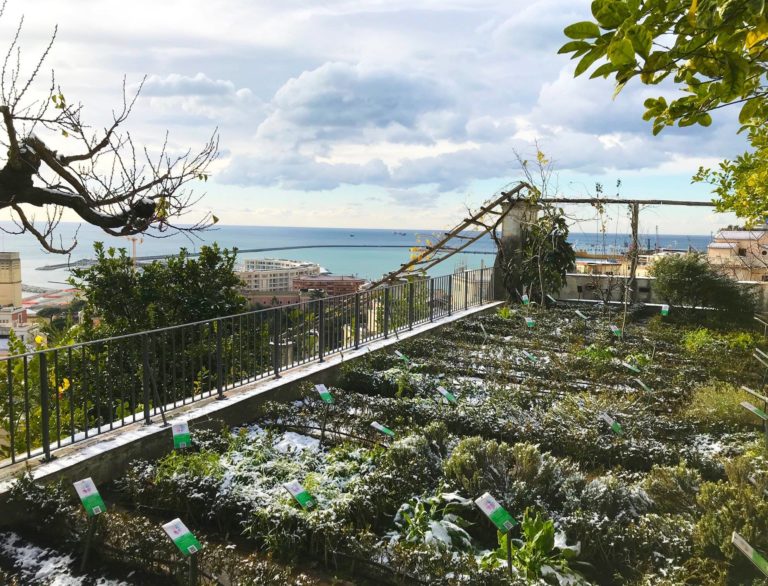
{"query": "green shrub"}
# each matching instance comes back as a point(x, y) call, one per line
point(716, 407)
point(673, 489)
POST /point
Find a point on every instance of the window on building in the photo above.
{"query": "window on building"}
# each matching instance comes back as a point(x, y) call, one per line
point(742, 252)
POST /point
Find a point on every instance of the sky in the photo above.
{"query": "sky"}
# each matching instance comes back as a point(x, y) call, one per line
point(371, 113)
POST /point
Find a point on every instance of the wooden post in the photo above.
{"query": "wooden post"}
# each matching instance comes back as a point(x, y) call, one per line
point(88, 540)
point(634, 210)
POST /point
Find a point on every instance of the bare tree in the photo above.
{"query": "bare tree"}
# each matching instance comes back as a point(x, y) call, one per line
point(106, 179)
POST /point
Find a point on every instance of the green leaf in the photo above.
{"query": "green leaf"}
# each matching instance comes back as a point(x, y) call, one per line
point(582, 30)
point(748, 110)
point(604, 70)
point(621, 52)
point(571, 46)
point(214, 219)
point(610, 13)
point(587, 60)
point(641, 39)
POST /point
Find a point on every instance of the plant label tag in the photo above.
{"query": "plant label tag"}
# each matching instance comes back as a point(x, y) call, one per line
point(759, 412)
point(300, 494)
point(616, 331)
point(581, 315)
point(324, 393)
point(530, 356)
point(401, 356)
point(529, 321)
point(665, 310)
point(643, 385)
point(612, 423)
point(496, 513)
point(90, 497)
point(181, 436)
point(447, 395)
point(552, 300)
point(181, 536)
point(381, 429)
point(631, 367)
point(526, 300)
point(760, 562)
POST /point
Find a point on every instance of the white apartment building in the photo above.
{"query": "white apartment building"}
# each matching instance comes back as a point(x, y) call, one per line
point(269, 274)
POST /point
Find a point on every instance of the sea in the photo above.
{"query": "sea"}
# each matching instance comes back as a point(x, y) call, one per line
point(366, 253)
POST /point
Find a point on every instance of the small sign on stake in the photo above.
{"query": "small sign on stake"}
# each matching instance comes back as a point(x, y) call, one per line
point(181, 435)
point(324, 393)
point(530, 356)
point(90, 497)
point(530, 322)
point(552, 300)
point(447, 395)
point(182, 537)
point(299, 493)
point(665, 310)
point(581, 315)
point(616, 331)
point(381, 429)
point(759, 412)
point(760, 562)
point(402, 356)
point(614, 425)
point(526, 300)
point(496, 513)
point(631, 367)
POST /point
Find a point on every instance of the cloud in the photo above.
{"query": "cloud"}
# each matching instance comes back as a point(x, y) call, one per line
point(197, 85)
point(412, 198)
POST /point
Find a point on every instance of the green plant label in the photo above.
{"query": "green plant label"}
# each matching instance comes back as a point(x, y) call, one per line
point(748, 550)
point(526, 300)
point(615, 330)
point(631, 367)
point(759, 412)
point(665, 310)
point(449, 396)
point(552, 299)
point(530, 356)
point(581, 315)
point(300, 494)
point(324, 393)
point(181, 436)
point(529, 321)
point(181, 536)
point(496, 513)
point(642, 385)
point(401, 356)
point(90, 497)
point(380, 428)
point(612, 423)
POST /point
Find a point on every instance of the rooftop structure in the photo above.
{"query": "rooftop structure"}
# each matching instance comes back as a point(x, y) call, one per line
point(10, 279)
point(331, 284)
point(271, 275)
point(742, 254)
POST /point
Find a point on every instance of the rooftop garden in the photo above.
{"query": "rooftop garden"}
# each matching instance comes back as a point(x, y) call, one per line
point(620, 448)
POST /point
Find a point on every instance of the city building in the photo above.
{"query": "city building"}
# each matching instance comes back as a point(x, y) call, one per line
point(331, 285)
point(742, 254)
point(10, 279)
point(274, 275)
point(270, 298)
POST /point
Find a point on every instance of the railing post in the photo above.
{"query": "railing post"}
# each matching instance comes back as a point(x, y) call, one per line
point(482, 282)
point(386, 311)
point(145, 377)
point(276, 342)
point(321, 332)
point(431, 299)
point(44, 408)
point(219, 361)
point(450, 294)
point(411, 308)
point(466, 290)
point(357, 320)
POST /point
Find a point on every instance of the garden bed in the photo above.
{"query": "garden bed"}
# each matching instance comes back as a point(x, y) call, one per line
point(652, 499)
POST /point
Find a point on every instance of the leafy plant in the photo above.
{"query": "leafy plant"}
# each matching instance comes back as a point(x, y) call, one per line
point(504, 312)
point(435, 521)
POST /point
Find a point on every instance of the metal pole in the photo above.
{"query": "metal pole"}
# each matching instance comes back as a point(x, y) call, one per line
point(276, 342)
point(450, 294)
point(482, 276)
point(386, 312)
point(509, 552)
point(145, 378)
point(321, 333)
point(44, 410)
point(431, 300)
point(411, 308)
point(466, 290)
point(357, 320)
point(219, 362)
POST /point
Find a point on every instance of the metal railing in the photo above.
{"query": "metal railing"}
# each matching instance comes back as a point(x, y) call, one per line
point(55, 397)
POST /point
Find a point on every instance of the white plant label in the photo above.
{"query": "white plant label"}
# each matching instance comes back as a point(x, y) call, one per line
point(381, 429)
point(324, 393)
point(450, 397)
point(760, 562)
point(182, 537)
point(181, 436)
point(495, 512)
